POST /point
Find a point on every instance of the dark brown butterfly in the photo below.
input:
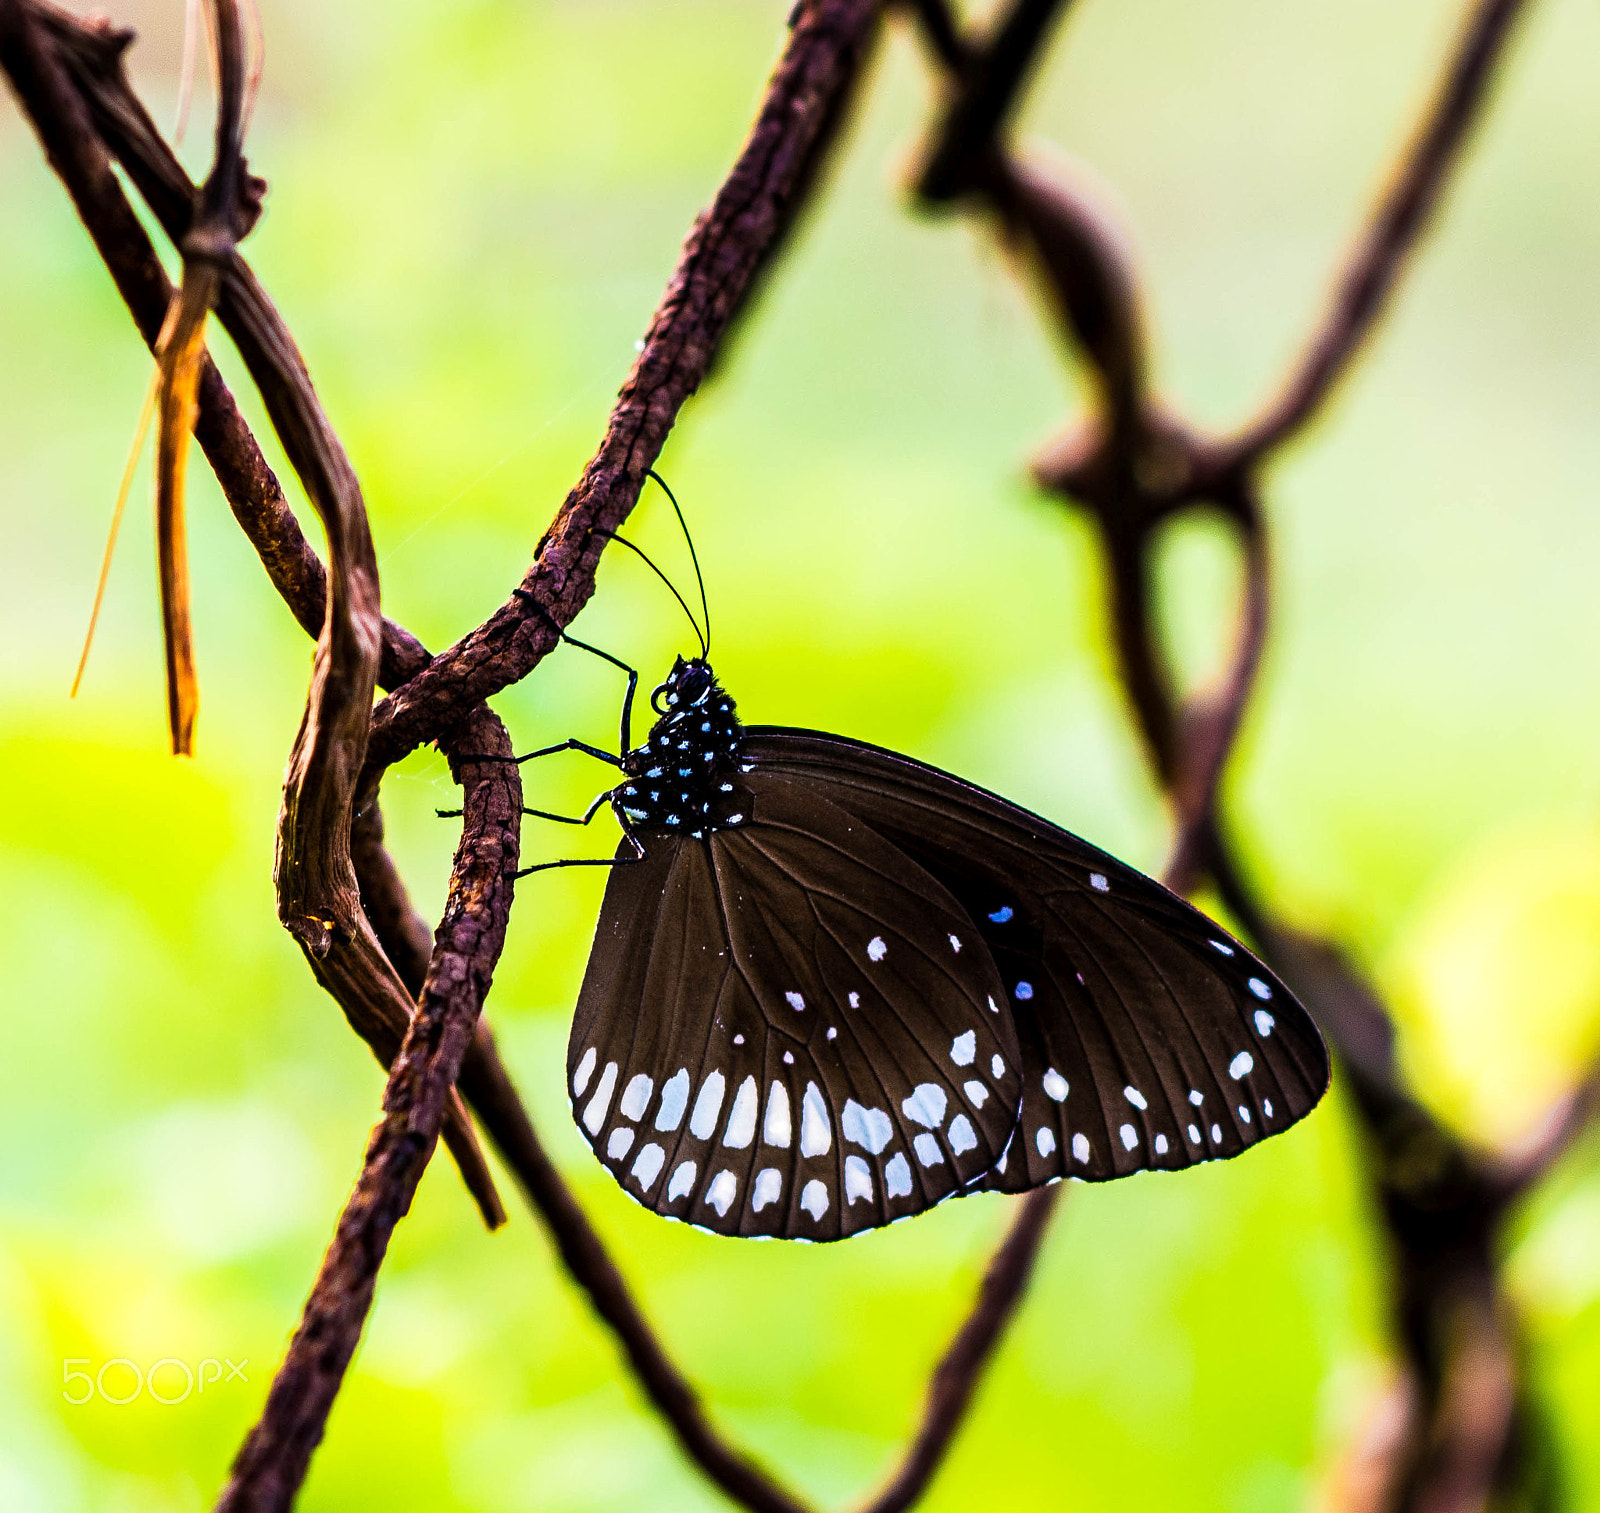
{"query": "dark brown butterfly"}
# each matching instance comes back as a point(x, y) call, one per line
point(832, 986)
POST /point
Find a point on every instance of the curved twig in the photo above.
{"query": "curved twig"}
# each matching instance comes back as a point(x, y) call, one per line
point(1379, 256)
point(273, 1461)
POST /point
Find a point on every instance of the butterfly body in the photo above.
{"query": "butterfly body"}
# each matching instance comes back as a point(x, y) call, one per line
point(680, 779)
point(839, 986)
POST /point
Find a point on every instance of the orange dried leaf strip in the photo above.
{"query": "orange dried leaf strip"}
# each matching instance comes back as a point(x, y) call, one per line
point(178, 382)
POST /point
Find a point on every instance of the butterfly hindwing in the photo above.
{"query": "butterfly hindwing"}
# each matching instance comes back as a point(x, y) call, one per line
point(1150, 1038)
point(788, 1027)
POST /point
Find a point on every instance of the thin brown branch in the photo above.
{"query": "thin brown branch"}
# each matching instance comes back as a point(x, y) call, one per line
point(1379, 256)
point(991, 82)
point(728, 247)
point(274, 1459)
point(69, 79)
point(319, 900)
point(942, 32)
point(956, 1377)
point(1466, 1437)
point(1564, 1126)
point(362, 981)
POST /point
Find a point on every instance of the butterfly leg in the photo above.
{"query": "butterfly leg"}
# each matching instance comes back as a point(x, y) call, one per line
point(592, 861)
point(567, 745)
point(627, 698)
point(570, 819)
point(605, 656)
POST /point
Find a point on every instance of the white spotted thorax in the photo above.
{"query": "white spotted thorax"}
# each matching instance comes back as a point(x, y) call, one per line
point(681, 777)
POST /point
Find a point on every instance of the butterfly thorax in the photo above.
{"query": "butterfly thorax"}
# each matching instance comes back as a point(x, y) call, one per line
point(682, 778)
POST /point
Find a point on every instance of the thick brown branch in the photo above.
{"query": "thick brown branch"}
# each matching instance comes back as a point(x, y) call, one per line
point(730, 244)
point(273, 1462)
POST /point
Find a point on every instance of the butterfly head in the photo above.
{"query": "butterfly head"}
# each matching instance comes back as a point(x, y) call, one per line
point(689, 685)
point(681, 777)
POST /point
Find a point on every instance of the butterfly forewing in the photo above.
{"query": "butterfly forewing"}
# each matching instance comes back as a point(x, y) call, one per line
point(1149, 1037)
point(789, 1027)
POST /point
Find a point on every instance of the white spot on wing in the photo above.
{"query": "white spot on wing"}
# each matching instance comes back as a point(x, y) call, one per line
point(674, 1099)
point(1216, 1134)
point(1130, 1136)
point(1161, 1145)
point(636, 1097)
point(866, 1127)
point(955, 942)
point(585, 1071)
point(742, 1121)
point(647, 1165)
point(1266, 1107)
point(816, 1136)
point(776, 1128)
point(814, 1199)
point(964, 1047)
point(1194, 1134)
point(855, 1000)
point(1045, 1139)
point(1196, 1097)
point(976, 1091)
point(617, 1145)
point(1055, 1085)
point(1097, 881)
point(926, 1105)
point(795, 1001)
point(769, 1183)
point(1135, 1097)
point(997, 1066)
point(857, 1179)
point(1260, 989)
point(960, 1135)
point(1244, 1113)
point(595, 1115)
point(721, 1192)
point(1241, 1065)
point(1223, 946)
point(897, 1176)
point(1080, 1147)
point(927, 1149)
point(876, 948)
point(1264, 1023)
point(682, 1179)
point(703, 1122)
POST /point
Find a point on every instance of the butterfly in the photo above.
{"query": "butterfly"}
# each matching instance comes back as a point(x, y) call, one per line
point(832, 986)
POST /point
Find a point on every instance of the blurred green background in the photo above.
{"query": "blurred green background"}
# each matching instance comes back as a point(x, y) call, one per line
point(473, 209)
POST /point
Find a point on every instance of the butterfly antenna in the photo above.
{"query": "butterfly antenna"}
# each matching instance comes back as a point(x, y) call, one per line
point(623, 541)
point(705, 609)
